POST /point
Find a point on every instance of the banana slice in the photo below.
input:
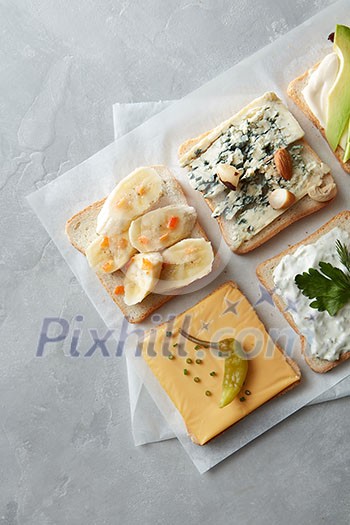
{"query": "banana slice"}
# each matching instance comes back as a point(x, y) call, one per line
point(108, 254)
point(132, 197)
point(158, 229)
point(185, 262)
point(142, 277)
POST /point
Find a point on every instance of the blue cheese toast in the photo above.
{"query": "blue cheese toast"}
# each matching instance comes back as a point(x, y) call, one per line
point(257, 173)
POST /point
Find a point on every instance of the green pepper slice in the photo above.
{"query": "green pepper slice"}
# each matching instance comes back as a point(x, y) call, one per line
point(235, 371)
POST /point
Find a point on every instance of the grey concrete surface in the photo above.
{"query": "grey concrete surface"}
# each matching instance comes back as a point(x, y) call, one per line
point(66, 454)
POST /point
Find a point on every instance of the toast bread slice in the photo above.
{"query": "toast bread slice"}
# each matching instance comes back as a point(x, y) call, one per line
point(81, 231)
point(290, 361)
point(265, 272)
point(302, 208)
point(294, 90)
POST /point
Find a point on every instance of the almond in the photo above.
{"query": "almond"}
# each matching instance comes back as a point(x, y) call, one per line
point(281, 199)
point(283, 162)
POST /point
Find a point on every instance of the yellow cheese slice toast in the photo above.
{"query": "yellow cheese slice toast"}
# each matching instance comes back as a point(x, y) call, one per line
point(192, 376)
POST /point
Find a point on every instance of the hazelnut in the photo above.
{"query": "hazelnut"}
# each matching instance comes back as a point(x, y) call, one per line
point(228, 175)
point(281, 199)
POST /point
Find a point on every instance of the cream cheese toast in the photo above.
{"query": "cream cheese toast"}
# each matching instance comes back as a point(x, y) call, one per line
point(325, 335)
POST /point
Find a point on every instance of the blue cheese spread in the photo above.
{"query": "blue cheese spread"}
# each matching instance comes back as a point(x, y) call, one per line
point(328, 337)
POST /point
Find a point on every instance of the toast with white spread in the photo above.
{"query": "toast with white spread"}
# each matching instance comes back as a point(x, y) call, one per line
point(295, 91)
point(322, 93)
point(143, 241)
point(257, 173)
point(325, 338)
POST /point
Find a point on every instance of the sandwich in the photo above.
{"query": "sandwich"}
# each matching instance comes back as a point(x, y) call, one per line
point(310, 284)
point(323, 94)
point(217, 363)
point(257, 173)
point(143, 241)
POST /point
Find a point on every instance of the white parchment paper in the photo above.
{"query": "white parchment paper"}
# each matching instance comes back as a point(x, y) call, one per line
point(156, 141)
point(148, 424)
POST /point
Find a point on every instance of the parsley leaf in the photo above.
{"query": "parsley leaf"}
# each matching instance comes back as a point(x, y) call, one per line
point(344, 254)
point(329, 286)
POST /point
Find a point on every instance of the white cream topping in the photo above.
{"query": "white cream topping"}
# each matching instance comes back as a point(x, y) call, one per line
point(328, 337)
point(316, 91)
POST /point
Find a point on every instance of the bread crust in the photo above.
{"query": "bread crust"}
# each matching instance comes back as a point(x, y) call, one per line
point(265, 274)
point(80, 229)
point(294, 90)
